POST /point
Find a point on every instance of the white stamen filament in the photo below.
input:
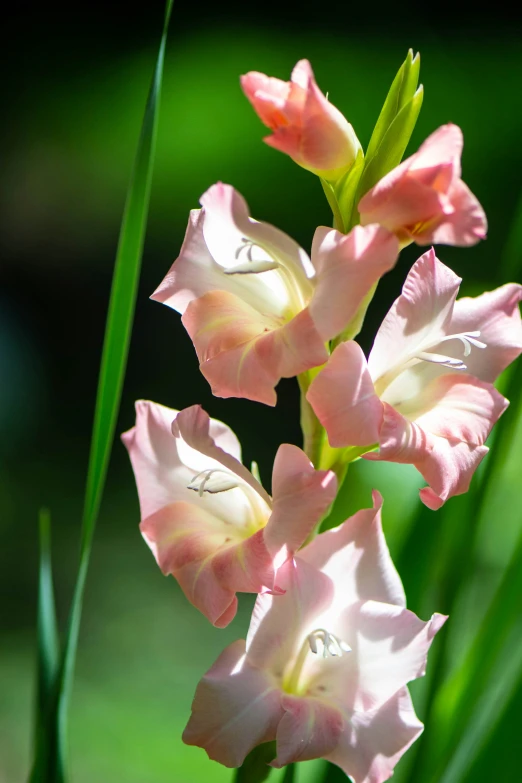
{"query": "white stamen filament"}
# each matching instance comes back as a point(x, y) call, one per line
point(466, 338)
point(212, 480)
point(423, 353)
point(332, 647)
point(215, 480)
point(251, 266)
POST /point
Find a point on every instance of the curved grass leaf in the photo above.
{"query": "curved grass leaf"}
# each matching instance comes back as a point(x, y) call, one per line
point(47, 633)
point(49, 765)
point(488, 713)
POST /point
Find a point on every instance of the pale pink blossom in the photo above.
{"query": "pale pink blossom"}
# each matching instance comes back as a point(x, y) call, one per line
point(255, 306)
point(424, 200)
point(325, 666)
point(207, 520)
point(425, 396)
point(304, 124)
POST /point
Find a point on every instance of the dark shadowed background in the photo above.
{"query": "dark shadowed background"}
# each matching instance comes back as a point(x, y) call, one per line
point(74, 88)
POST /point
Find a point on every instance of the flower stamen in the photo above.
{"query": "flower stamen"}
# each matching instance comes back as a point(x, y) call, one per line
point(212, 480)
point(332, 647)
point(466, 338)
point(250, 266)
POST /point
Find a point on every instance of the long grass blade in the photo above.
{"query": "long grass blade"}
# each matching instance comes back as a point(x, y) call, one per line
point(49, 765)
point(488, 712)
point(47, 633)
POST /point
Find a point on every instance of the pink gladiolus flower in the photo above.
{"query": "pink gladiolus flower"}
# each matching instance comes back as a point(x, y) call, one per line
point(424, 199)
point(207, 520)
point(425, 396)
point(325, 666)
point(305, 125)
point(255, 306)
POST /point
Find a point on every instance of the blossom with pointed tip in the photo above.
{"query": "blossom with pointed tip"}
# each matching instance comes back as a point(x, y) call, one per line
point(304, 124)
point(425, 396)
point(256, 307)
point(424, 200)
point(207, 520)
point(324, 668)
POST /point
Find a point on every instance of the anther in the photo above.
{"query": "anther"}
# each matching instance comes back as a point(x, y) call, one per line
point(212, 480)
point(466, 338)
point(331, 644)
point(250, 266)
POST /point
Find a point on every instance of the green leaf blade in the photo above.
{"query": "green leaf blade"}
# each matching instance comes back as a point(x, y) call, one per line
point(49, 766)
point(47, 637)
point(400, 93)
point(393, 144)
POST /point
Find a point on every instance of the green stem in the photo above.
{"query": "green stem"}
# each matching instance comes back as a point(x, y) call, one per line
point(338, 222)
point(290, 771)
point(314, 436)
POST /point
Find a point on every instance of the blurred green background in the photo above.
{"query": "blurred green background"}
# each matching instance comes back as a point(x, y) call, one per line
point(74, 93)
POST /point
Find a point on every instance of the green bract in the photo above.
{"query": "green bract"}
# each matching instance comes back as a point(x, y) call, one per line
point(387, 145)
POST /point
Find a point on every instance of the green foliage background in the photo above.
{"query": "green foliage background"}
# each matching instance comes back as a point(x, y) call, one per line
point(72, 132)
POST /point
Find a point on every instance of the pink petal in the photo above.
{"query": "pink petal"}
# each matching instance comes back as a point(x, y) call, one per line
point(377, 739)
point(194, 273)
point(243, 354)
point(328, 142)
point(347, 267)
point(465, 226)
point(227, 223)
point(160, 472)
point(184, 538)
point(267, 95)
point(301, 497)
point(236, 707)
point(419, 316)
point(496, 314)
point(461, 407)
point(305, 124)
point(389, 649)
point(424, 199)
point(443, 146)
point(153, 454)
point(194, 426)
point(344, 400)
point(309, 729)
point(356, 558)
point(447, 465)
point(302, 74)
point(410, 194)
point(400, 204)
point(210, 558)
point(221, 238)
point(278, 625)
point(225, 330)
